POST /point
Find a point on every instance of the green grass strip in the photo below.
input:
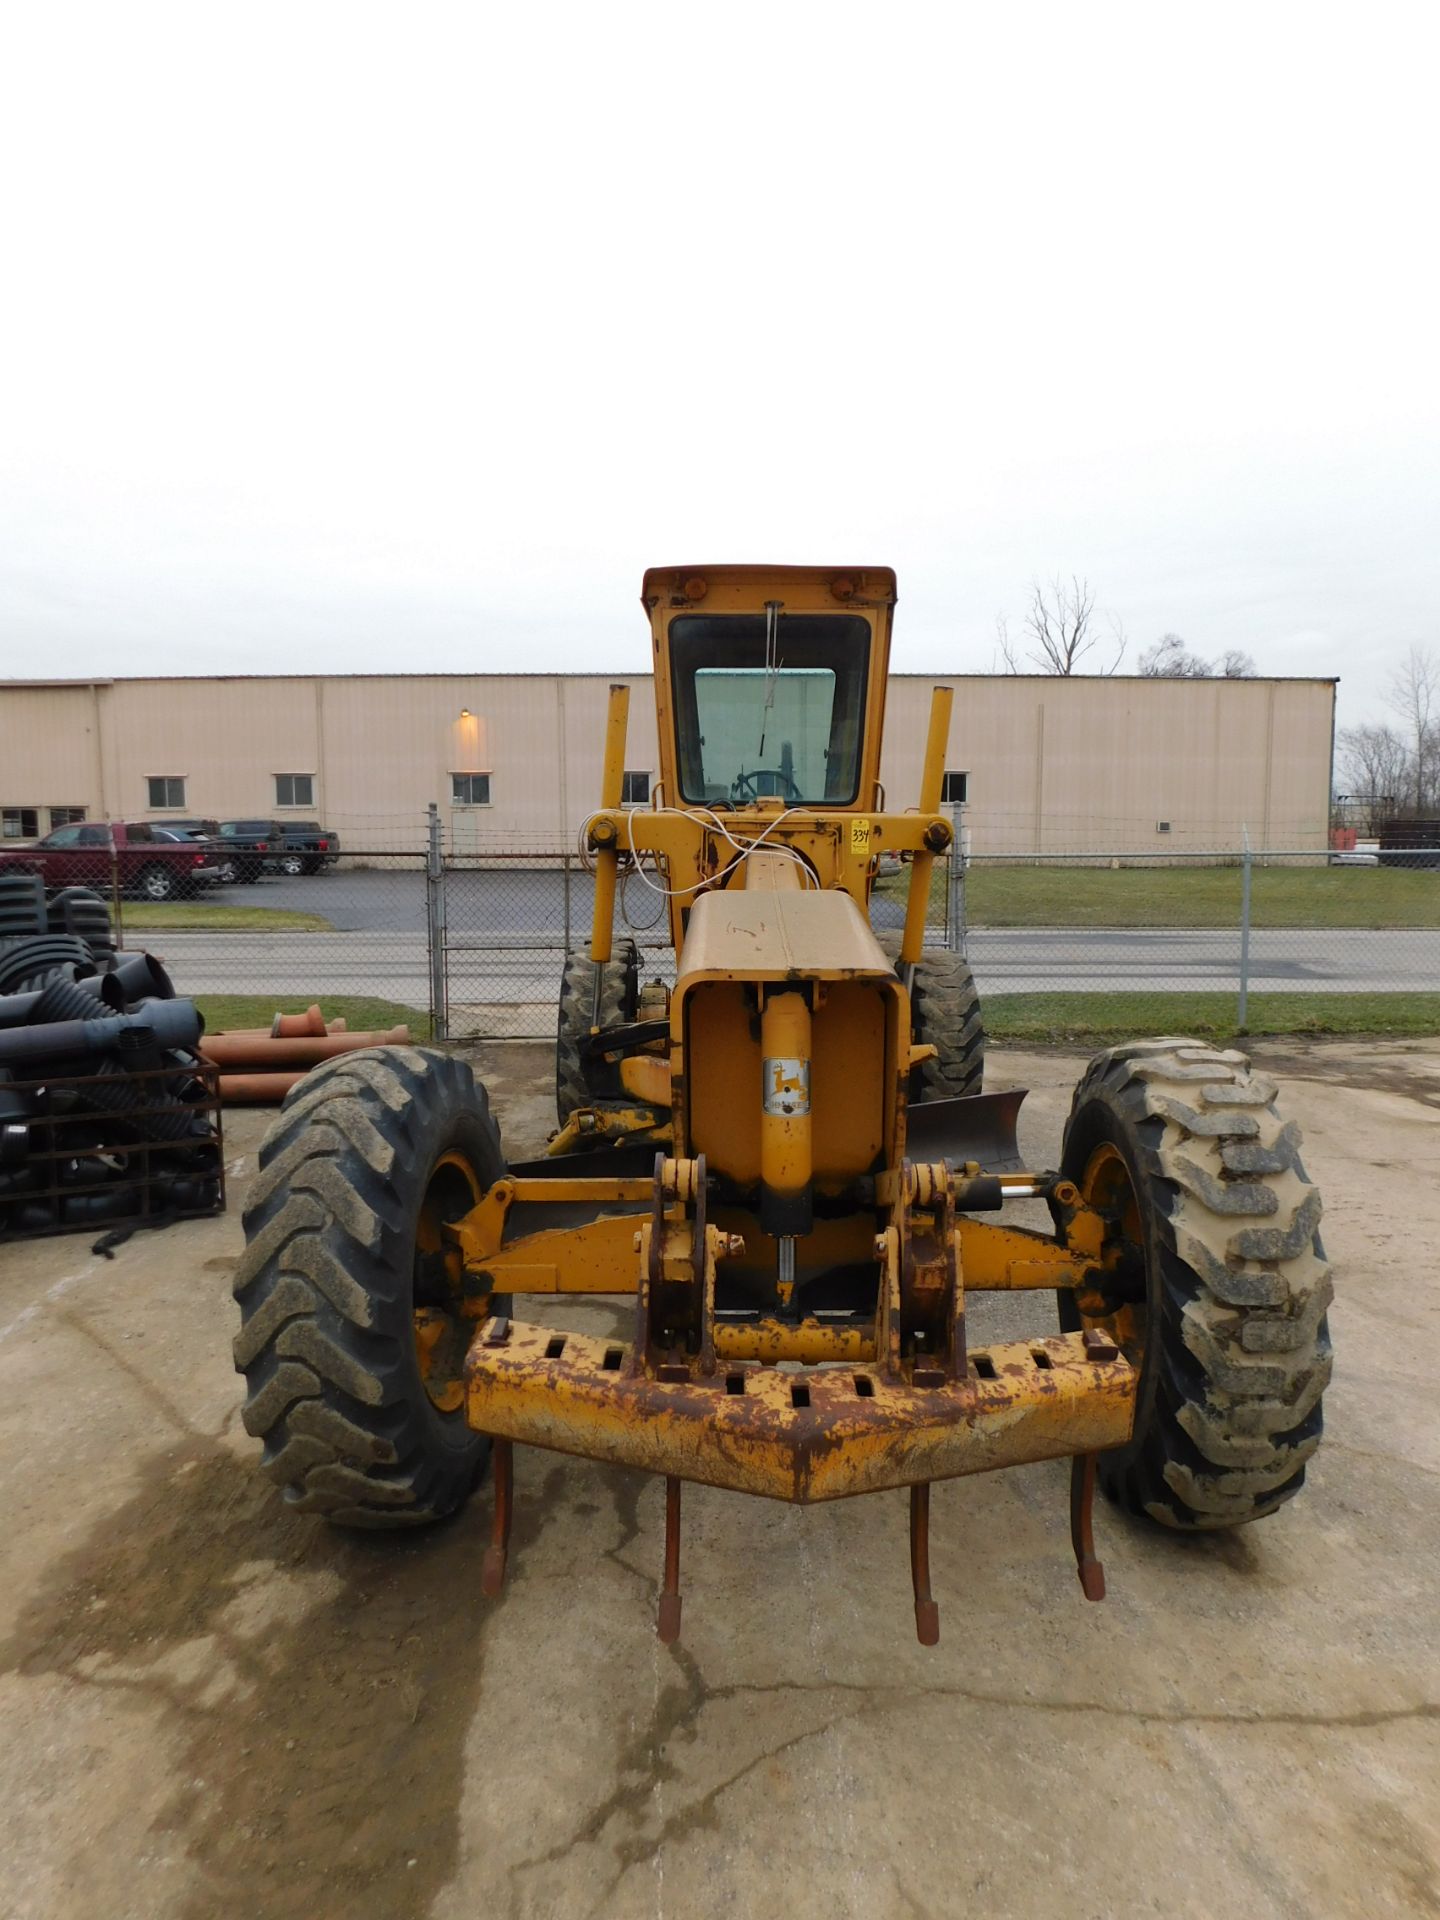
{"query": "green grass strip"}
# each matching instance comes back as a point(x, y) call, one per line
point(201, 914)
point(1102, 1018)
point(1071, 895)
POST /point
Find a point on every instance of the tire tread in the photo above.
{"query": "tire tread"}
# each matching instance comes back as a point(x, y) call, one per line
point(1238, 1334)
point(325, 1288)
point(945, 1014)
point(618, 991)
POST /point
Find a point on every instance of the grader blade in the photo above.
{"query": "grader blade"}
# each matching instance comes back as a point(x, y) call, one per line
point(977, 1126)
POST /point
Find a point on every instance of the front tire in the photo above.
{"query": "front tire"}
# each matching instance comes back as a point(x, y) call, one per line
point(945, 1014)
point(351, 1341)
point(1217, 1283)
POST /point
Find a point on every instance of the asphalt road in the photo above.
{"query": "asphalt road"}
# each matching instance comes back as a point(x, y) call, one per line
point(507, 932)
point(394, 965)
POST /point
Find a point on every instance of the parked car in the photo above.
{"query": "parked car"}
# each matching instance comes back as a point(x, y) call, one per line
point(309, 847)
point(205, 828)
point(247, 848)
point(99, 853)
point(184, 837)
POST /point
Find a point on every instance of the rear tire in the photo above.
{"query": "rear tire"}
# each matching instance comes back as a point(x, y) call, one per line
point(945, 1014)
point(157, 883)
point(575, 1087)
point(1181, 1146)
point(367, 1154)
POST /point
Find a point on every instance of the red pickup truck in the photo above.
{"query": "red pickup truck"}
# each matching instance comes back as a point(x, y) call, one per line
point(97, 853)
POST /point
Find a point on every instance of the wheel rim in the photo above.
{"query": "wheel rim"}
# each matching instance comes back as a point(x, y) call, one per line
point(157, 886)
point(442, 1333)
point(1107, 1186)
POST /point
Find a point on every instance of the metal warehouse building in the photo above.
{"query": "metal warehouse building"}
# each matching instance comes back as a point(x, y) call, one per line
point(1114, 764)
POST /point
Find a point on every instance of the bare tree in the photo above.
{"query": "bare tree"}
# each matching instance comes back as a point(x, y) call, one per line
point(1061, 630)
point(1171, 659)
point(1373, 765)
point(1415, 696)
point(1004, 647)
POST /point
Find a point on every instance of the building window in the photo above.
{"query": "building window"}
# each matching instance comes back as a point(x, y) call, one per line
point(19, 823)
point(166, 789)
point(635, 790)
point(470, 789)
point(1162, 826)
point(953, 789)
point(65, 816)
point(294, 789)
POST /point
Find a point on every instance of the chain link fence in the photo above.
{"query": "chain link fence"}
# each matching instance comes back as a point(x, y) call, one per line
point(357, 933)
point(1271, 938)
point(469, 941)
point(248, 927)
point(505, 918)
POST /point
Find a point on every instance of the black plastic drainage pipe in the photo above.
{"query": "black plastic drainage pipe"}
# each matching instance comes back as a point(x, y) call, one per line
point(174, 1023)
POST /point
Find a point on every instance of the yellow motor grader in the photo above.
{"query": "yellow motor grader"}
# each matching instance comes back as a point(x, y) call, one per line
point(787, 1160)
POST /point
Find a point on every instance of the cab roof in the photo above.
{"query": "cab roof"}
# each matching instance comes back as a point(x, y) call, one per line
point(734, 588)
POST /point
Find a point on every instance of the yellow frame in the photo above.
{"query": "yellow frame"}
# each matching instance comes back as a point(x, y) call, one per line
point(747, 925)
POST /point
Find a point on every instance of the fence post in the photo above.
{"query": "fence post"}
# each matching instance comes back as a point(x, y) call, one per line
point(117, 914)
point(435, 925)
point(567, 904)
point(1242, 1012)
point(955, 892)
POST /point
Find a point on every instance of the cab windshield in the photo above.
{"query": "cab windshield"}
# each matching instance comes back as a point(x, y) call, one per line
point(769, 706)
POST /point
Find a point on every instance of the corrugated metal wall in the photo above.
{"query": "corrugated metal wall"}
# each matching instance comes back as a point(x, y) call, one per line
point(1052, 764)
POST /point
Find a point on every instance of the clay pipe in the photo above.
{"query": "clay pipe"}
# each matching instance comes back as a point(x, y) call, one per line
point(237, 1050)
point(266, 1033)
point(291, 1026)
point(256, 1089)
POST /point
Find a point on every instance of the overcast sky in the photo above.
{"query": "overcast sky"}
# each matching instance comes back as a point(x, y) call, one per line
point(348, 337)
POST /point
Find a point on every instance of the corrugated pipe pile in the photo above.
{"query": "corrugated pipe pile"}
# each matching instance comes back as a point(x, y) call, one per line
point(108, 1114)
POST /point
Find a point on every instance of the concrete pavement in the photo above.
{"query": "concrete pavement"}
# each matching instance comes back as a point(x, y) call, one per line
point(214, 1709)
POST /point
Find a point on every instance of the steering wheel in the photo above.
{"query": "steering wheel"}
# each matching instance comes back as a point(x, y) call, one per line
point(764, 783)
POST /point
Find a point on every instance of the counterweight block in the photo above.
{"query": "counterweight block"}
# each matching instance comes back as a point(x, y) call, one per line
point(803, 1437)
